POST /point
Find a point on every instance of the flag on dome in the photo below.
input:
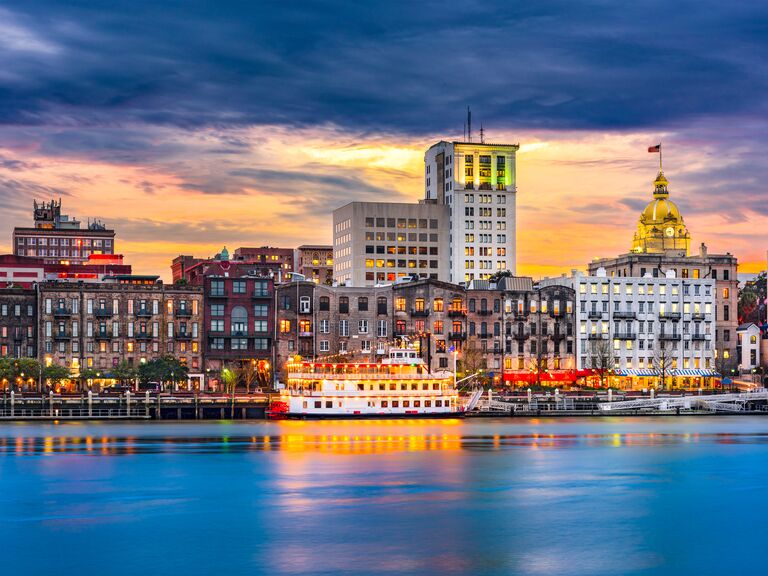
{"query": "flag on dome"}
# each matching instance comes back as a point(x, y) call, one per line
point(656, 148)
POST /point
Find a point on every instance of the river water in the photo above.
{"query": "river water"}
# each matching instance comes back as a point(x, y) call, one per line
point(675, 495)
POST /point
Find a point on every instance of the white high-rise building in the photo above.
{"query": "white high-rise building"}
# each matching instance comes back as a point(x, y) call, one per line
point(477, 181)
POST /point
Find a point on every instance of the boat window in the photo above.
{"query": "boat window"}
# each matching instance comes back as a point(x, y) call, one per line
point(384, 403)
point(417, 403)
point(318, 404)
point(406, 403)
point(438, 403)
point(427, 403)
point(361, 386)
point(395, 403)
point(329, 403)
point(435, 386)
point(393, 386)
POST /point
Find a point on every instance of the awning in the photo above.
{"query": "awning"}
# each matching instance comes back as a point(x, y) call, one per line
point(635, 372)
point(544, 376)
point(693, 372)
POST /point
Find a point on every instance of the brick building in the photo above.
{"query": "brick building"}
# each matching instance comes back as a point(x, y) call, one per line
point(18, 322)
point(98, 325)
point(238, 310)
point(57, 238)
point(315, 263)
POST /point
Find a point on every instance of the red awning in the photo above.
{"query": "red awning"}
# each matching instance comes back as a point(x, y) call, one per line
point(548, 376)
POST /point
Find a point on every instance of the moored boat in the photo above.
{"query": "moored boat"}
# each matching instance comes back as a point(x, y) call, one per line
point(400, 386)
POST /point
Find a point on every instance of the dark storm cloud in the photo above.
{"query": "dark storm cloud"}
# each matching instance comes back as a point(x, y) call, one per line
point(395, 66)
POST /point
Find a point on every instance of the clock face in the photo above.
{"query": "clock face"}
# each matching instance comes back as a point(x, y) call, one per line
point(670, 231)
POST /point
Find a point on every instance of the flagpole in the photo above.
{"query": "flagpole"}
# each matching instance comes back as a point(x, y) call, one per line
point(660, 165)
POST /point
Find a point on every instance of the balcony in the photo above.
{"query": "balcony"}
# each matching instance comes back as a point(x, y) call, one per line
point(239, 333)
point(62, 336)
point(699, 337)
point(521, 335)
point(183, 312)
point(484, 312)
point(103, 313)
point(305, 334)
point(625, 336)
point(669, 315)
point(62, 312)
point(597, 336)
point(183, 336)
point(143, 336)
point(484, 335)
point(457, 336)
point(559, 313)
point(669, 336)
point(456, 313)
point(422, 312)
point(143, 313)
point(698, 316)
point(628, 314)
point(594, 314)
point(102, 335)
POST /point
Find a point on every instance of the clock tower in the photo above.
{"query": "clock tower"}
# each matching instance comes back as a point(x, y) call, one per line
point(661, 229)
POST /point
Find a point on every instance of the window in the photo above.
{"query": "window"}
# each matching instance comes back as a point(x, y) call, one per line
point(381, 305)
point(239, 322)
point(260, 326)
point(325, 303)
point(304, 305)
point(362, 304)
point(217, 287)
point(362, 327)
point(261, 288)
point(285, 326)
point(400, 304)
point(324, 346)
point(344, 305)
point(381, 328)
point(726, 292)
point(217, 309)
point(343, 327)
point(261, 310)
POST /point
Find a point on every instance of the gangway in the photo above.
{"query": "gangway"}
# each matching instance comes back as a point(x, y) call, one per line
point(733, 402)
point(474, 398)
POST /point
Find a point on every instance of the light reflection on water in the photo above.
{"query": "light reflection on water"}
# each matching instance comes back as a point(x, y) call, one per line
point(559, 496)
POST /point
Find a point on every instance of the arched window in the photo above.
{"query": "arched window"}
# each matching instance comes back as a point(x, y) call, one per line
point(239, 320)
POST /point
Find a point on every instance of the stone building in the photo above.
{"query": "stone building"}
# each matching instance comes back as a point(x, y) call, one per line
point(317, 321)
point(98, 325)
point(662, 245)
point(18, 322)
point(315, 263)
point(523, 332)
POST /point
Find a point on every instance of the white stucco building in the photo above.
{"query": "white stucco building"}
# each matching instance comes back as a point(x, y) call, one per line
point(642, 322)
point(749, 346)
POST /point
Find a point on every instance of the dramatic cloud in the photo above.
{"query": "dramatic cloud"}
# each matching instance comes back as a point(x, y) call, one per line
point(245, 122)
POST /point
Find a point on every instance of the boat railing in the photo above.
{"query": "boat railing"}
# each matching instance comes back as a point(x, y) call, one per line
point(366, 393)
point(321, 376)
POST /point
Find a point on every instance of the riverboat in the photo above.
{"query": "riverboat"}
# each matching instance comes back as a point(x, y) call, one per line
point(400, 386)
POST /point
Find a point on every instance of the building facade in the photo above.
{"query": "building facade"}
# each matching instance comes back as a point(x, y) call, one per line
point(749, 347)
point(379, 242)
point(18, 322)
point(477, 182)
point(98, 325)
point(642, 328)
point(58, 239)
point(315, 263)
point(662, 245)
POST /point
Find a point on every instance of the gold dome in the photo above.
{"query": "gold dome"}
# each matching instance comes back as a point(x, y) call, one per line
point(661, 211)
point(661, 228)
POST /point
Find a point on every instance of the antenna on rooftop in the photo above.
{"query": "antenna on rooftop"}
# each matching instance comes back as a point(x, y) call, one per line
point(469, 125)
point(482, 134)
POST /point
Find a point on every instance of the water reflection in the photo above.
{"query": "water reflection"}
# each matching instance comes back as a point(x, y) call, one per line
point(512, 496)
point(344, 438)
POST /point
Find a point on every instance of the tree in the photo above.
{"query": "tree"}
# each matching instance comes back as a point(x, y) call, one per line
point(663, 360)
point(89, 374)
point(229, 378)
point(13, 368)
point(472, 359)
point(496, 276)
point(166, 370)
point(247, 372)
point(601, 359)
point(55, 373)
point(124, 372)
point(724, 366)
point(752, 300)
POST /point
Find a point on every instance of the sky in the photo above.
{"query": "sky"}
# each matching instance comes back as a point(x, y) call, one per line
point(190, 125)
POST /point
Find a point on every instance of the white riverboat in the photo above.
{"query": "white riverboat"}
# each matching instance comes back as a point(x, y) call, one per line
point(399, 386)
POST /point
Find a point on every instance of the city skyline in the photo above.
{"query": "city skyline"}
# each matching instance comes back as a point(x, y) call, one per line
point(255, 142)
